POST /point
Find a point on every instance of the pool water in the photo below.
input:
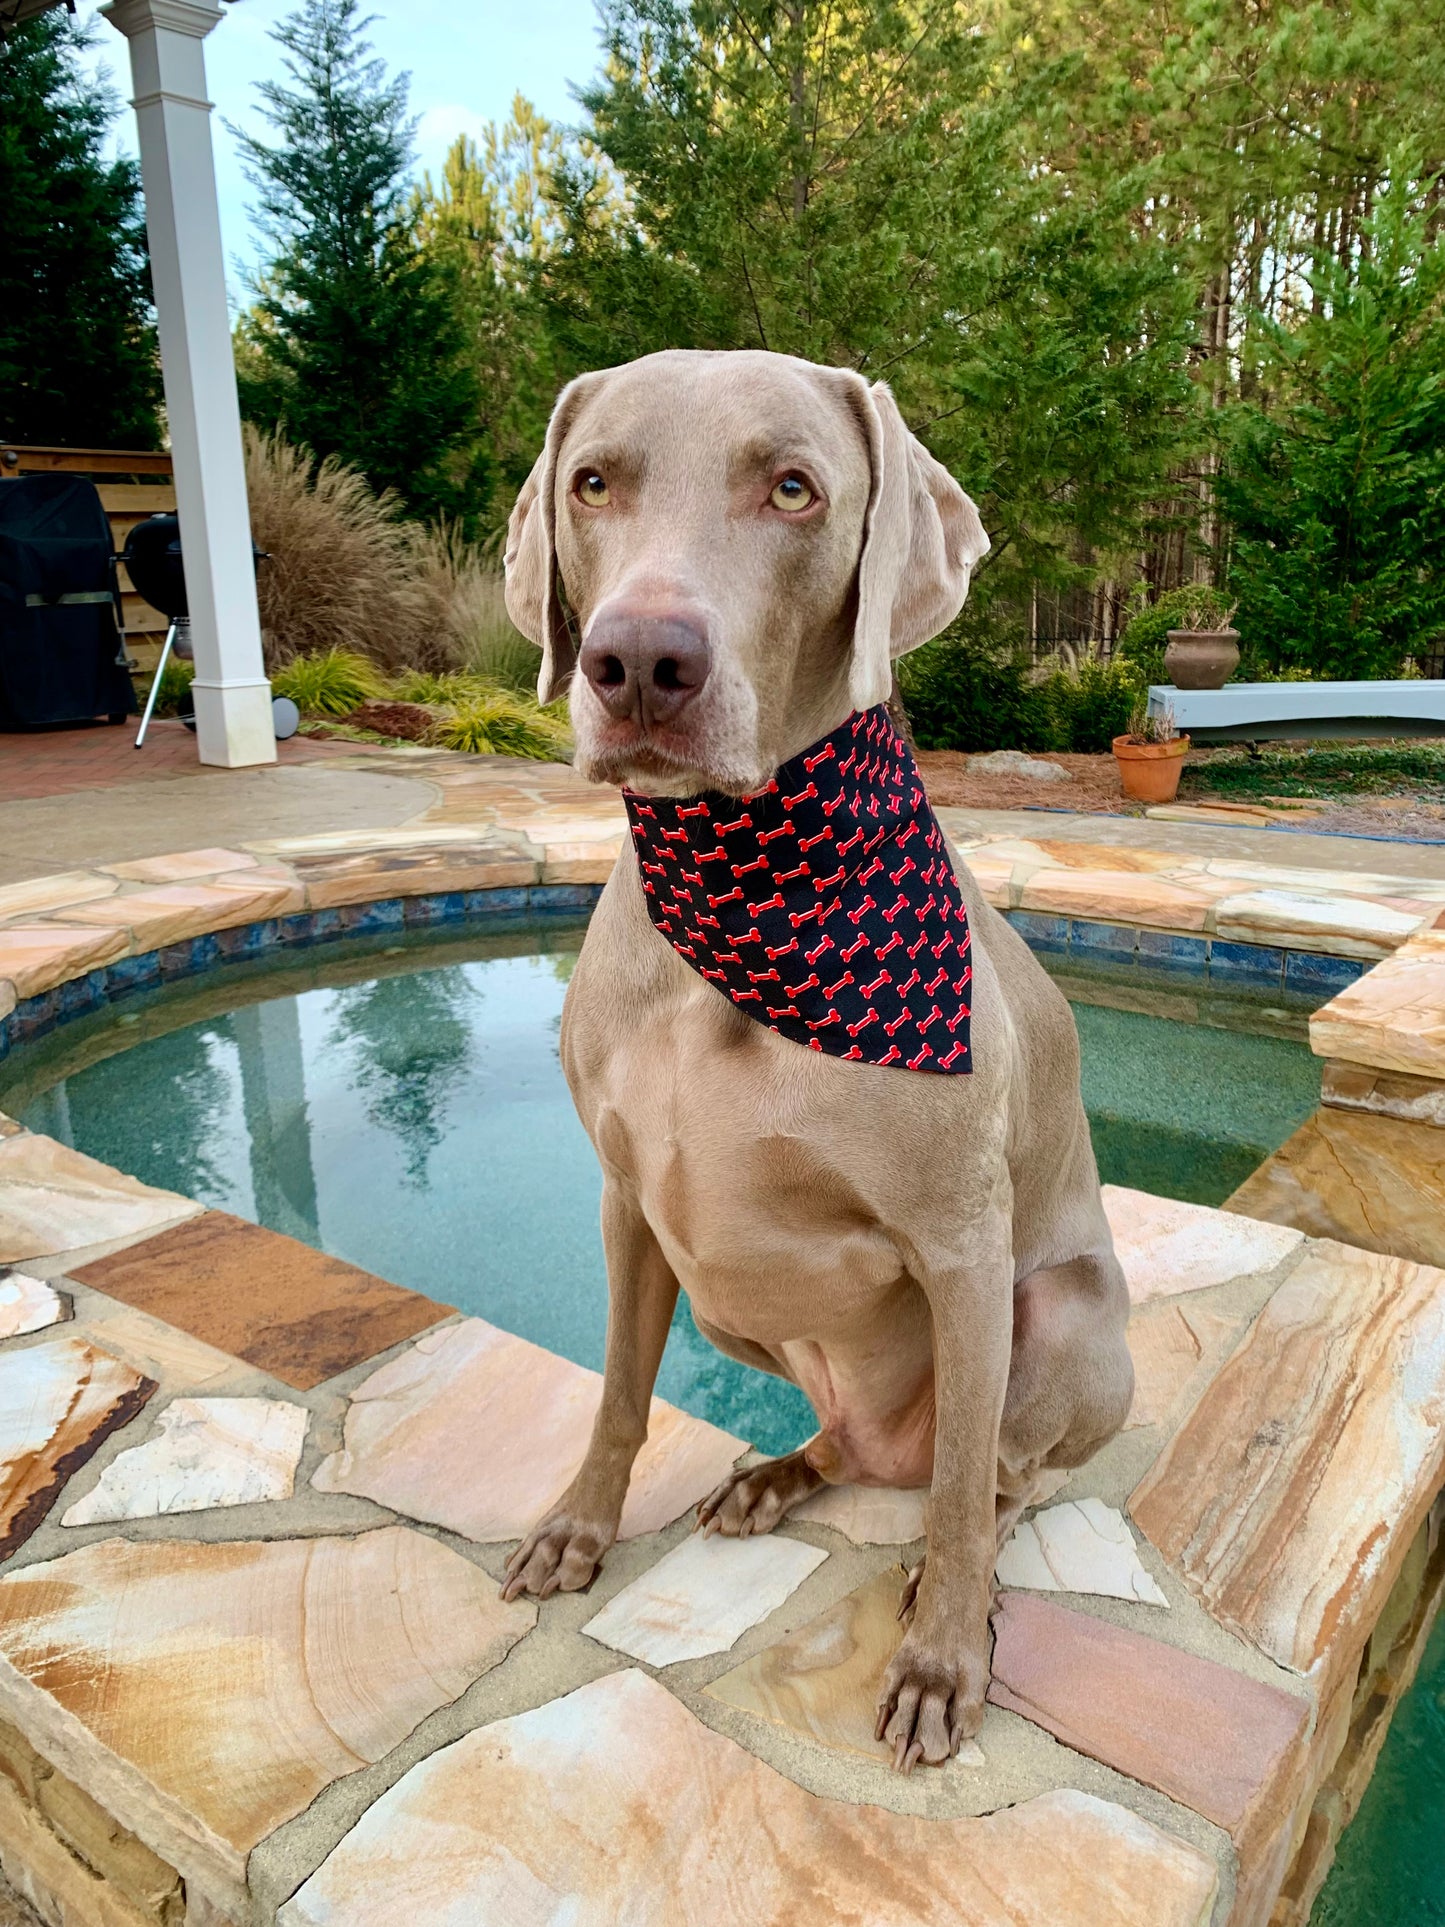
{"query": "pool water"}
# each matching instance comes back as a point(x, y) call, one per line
point(401, 1105)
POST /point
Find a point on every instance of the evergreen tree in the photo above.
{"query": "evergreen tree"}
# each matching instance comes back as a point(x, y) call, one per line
point(848, 180)
point(78, 359)
point(1336, 482)
point(354, 346)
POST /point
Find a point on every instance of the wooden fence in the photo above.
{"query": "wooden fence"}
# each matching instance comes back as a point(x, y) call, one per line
point(133, 484)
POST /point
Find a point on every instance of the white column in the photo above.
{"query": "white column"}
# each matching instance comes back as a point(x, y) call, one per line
point(168, 68)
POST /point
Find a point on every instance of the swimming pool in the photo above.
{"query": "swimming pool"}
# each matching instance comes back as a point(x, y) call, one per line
point(400, 1103)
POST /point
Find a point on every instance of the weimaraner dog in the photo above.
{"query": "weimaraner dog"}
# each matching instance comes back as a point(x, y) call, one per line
point(730, 548)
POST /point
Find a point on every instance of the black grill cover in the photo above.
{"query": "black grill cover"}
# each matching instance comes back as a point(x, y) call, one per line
point(58, 658)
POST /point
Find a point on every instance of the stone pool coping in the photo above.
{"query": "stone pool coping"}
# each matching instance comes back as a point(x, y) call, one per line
point(1225, 1808)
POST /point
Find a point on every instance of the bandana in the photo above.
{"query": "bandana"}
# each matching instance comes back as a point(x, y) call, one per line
point(825, 906)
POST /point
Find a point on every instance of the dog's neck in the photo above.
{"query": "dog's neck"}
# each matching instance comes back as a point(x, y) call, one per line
point(823, 905)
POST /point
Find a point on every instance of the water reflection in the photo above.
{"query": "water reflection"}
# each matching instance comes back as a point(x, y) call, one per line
point(418, 1125)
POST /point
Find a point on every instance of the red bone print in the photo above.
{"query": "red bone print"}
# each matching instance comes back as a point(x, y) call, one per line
point(831, 990)
point(871, 990)
point(774, 902)
point(742, 869)
point(863, 1022)
point(783, 829)
point(824, 943)
point(808, 983)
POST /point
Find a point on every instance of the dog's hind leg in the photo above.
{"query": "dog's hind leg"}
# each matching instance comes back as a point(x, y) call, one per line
point(1071, 1378)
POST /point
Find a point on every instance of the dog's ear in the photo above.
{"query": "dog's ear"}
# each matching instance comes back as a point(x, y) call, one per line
point(533, 589)
point(921, 540)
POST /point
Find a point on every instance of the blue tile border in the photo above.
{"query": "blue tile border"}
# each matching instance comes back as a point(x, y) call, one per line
point(32, 1017)
point(1305, 973)
point(1240, 965)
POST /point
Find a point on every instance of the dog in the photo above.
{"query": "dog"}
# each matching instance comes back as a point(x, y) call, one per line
point(721, 554)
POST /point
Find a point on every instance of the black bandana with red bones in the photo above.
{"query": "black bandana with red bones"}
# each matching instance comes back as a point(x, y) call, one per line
point(825, 905)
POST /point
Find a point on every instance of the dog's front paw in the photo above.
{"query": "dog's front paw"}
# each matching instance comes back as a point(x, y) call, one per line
point(562, 1554)
point(932, 1698)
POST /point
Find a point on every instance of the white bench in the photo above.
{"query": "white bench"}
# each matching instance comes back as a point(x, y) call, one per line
point(1258, 711)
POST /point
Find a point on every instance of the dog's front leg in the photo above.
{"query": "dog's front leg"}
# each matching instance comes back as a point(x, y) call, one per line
point(564, 1550)
point(933, 1691)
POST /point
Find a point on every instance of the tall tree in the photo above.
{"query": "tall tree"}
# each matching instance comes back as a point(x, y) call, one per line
point(847, 180)
point(353, 345)
point(1336, 489)
point(488, 221)
point(77, 346)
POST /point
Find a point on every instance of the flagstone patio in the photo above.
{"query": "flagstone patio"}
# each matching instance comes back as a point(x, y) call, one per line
point(253, 1661)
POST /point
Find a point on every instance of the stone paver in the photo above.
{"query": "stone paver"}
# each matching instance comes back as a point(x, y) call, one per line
point(821, 1681)
point(703, 1596)
point(170, 912)
point(1292, 1490)
point(292, 1311)
point(1393, 1018)
point(1376, 1182)
point(28, 1305)
point(1356, 1087)
point(57, 892)
point(211, 1691)
point(206, 1452)
point(1167, 1246)
point(1168, 1342)
point(480, 1432)
point(519, 1822)
point(1225, 1745)
point(53, 1200)
point(182, 866)
point(1080, 1545)
point(34, 957)
point(58, 1401)
point(869, 1515)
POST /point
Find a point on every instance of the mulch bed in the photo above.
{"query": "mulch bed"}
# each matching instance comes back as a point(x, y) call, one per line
point(1093, 788)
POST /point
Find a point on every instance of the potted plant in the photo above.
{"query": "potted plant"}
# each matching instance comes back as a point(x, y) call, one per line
point(1203, 651)
point(1151, 756)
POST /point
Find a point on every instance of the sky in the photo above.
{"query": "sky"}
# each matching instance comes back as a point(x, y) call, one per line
point(467, 58)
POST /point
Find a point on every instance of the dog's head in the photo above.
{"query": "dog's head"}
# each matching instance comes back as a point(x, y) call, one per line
point(721, 554)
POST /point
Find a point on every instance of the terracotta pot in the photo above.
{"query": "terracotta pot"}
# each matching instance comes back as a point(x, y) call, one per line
point(1150, 771)
point(1201, 658)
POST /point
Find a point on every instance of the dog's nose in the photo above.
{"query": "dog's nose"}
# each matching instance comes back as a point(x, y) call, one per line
point(646, 667)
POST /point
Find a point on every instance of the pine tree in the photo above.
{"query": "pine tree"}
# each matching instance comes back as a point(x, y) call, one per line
point(353, 346)
point(78, 359)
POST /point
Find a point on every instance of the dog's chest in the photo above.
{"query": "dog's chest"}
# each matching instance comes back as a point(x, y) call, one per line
point(767, 1218)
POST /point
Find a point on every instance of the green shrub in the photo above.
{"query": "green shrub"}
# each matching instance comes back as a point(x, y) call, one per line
point(174, 684)
point(963, 692)
point(499, 722)
point(331, 683)
point(425, 686)
point(1089, 706)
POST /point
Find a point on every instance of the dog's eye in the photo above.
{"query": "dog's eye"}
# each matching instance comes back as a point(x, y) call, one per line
point(591, 489)
point(791, 493)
